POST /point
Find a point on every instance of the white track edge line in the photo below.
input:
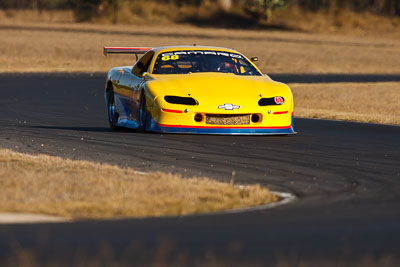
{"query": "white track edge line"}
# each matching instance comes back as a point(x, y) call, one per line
point(286, 198)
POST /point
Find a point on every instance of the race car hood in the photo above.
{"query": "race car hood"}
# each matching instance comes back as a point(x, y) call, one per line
point(211, 90)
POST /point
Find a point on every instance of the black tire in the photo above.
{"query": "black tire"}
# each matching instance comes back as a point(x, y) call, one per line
point(112, 111)
point(142, 114)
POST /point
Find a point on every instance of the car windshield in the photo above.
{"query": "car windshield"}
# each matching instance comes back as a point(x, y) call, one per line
point(183, 62)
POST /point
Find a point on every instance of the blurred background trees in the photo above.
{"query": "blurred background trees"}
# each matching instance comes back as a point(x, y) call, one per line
point(382, 7)
point(85, 10)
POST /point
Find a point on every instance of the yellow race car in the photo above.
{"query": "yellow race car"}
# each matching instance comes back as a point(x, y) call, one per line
point(198, 90)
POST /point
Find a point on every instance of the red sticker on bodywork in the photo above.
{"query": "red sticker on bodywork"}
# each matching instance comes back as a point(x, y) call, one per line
point(278, 100)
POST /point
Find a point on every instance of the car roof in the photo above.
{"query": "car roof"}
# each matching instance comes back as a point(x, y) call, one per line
point(191, 47)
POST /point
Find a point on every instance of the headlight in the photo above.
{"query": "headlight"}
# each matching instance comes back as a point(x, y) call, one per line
point(277, 100)
point(180, 100)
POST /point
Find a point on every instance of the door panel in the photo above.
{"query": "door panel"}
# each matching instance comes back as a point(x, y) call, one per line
point(129, 86)
point(128, 89)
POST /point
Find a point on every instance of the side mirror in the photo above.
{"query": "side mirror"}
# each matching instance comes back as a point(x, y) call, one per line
point(147, 76)
point(254, 59)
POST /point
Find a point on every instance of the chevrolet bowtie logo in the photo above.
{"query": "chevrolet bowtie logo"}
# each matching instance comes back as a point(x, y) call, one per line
point(228, 107)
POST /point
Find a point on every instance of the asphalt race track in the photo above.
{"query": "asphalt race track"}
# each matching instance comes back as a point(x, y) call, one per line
point(346, 177)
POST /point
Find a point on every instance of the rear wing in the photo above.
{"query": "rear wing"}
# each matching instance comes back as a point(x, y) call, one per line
point(126, 50)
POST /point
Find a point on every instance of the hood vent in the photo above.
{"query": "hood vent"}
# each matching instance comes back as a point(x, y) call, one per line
point(272, 101)
point(180, 100)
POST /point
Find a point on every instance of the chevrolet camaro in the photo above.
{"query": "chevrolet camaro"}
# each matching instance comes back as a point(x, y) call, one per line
point(197, 90)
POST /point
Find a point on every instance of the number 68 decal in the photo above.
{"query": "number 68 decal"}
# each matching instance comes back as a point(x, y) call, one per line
point(173, 57)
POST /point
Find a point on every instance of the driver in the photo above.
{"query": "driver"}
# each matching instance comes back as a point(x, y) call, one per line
point(227, 67)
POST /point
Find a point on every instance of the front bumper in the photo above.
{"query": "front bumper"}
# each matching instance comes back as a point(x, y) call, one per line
point(229, 130)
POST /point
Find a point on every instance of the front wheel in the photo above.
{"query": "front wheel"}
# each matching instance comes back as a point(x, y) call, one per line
point(111, 110)
point(142, 113)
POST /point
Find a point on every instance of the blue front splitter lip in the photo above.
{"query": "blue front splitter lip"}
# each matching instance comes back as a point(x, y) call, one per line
point(155, 127)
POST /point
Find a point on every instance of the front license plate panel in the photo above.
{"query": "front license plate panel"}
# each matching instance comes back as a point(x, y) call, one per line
point(228, 119)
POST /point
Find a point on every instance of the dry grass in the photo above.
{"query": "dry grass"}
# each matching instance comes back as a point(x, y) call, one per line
point(55, 186)
point(339, 21)
point(56, 46)
point(369, 102)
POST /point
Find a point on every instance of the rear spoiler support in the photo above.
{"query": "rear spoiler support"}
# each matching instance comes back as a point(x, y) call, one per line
point(126, 50)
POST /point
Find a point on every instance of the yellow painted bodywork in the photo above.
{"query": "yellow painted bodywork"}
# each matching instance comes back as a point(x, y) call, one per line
point(211, 90)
